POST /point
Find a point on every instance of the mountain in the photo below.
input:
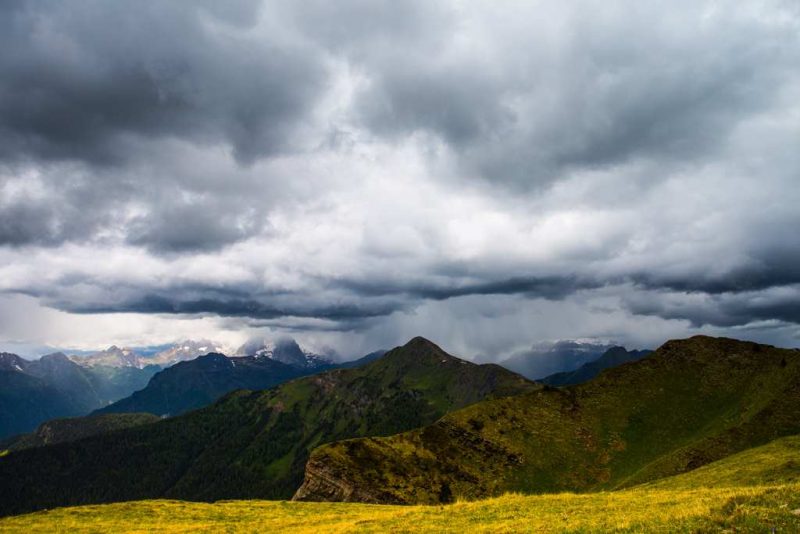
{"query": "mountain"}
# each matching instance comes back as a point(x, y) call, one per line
point(25, 399)
point(285, 351)
point(33, 391)
point(113, 356)
point(252, 444)
point(75, 428)
point(613, 357)
point(689, 403)
point(547, 359)
point(196, 383)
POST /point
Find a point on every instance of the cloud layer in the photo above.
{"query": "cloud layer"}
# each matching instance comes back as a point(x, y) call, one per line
point(488, 175)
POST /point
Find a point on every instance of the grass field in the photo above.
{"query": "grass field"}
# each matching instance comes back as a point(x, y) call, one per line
point(745, 509)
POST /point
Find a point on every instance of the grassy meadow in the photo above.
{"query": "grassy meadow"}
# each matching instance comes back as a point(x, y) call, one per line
point(742, 509)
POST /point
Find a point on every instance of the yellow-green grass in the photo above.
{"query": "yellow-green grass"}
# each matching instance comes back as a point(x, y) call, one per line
point(745, 509)
point(777, 462)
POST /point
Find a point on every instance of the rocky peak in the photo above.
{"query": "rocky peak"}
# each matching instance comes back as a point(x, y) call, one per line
point(11, 362)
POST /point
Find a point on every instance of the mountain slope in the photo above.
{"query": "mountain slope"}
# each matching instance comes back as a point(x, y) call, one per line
point(25, 400)
point(777, 462)
point(75, 428)
point(691, 402)
point(33, 391)
point(613, 357)
point(252, 444)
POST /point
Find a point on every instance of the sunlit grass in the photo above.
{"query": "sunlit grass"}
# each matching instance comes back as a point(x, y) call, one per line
point(754, 509)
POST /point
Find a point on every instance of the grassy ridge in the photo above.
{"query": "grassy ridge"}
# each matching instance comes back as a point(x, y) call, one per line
point(692, 402)
point(746, 509)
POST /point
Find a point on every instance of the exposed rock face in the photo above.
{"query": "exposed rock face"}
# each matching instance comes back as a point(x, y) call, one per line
point(323, 483)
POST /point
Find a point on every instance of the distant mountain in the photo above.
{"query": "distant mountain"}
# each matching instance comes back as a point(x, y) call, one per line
point(689, 403)
point(26, 400)
point(547, 359)
point(285, 351)
point(113, 356)
point(34, 391)
point(75, 428)
point(613, 357)
point(252, 444)
point(196, 383)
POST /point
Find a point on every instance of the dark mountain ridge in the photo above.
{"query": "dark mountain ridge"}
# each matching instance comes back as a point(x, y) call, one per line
point(196, 383)
point(75, 428)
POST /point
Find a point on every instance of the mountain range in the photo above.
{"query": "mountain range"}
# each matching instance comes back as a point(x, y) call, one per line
point(253, 444)
point(189, 385)
point(163, 356)
point(689, 403)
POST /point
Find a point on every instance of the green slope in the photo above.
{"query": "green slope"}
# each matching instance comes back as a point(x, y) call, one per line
point(252, 444)
point(777, 462)
point(691, 402)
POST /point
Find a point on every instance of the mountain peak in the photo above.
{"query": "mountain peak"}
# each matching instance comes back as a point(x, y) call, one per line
point(421, 351)
point(420, 343)
point(419, 340)
point(55, 357)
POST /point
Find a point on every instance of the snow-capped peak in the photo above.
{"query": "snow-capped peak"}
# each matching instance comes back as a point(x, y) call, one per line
point(284, 350)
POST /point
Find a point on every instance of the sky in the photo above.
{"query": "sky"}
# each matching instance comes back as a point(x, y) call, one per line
point(490, 175)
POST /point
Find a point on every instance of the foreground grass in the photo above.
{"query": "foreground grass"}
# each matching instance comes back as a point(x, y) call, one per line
point(744, 509)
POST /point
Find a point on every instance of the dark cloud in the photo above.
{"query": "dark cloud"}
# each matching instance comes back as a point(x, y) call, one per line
point(79, 80)
point(549, 287)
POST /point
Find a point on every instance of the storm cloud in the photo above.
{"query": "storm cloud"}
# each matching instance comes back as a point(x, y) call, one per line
point(362, 171)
